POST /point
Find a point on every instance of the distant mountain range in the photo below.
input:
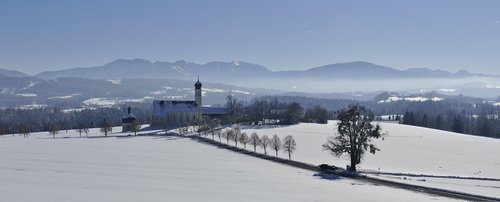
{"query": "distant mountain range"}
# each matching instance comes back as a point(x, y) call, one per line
point(12, 73)
point(138, 80)
point(220, 71)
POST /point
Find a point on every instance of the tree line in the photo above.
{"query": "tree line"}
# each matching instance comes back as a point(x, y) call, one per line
point(25, 121)
point(235, 135)
point(263, 111)
point(485, 123)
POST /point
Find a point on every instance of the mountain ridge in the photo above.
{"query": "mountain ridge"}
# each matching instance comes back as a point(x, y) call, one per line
point(181, 69)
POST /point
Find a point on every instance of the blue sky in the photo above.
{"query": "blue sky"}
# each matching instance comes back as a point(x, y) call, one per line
point(46, 35)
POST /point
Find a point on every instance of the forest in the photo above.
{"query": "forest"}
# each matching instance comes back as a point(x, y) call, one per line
point(459, 114)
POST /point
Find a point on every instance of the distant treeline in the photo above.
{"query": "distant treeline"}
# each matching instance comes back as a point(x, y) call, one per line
point(484, 120)
point(263, 111)
point(459, 114)
point(11, 120)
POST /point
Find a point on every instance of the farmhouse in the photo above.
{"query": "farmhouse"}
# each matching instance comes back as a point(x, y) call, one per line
point(176, 113)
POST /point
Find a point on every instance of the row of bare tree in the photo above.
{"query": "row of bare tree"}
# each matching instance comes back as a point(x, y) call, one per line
point(288, 145)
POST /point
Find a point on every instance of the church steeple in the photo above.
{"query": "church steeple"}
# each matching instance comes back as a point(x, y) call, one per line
point(197, 85)
point(197, 92)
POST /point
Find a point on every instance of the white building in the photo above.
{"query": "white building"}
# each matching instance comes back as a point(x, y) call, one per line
point(176, 113)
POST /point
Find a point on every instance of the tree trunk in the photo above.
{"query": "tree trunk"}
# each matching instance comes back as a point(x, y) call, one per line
point(276, 153)
point(353, 163)
point(255, 148)
point(289, 156)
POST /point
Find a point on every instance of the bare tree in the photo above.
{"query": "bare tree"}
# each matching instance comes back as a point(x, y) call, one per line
point(236, 135)
point(255, 141)
point(81, 129)
point(211, 125)
point(105, 127)
point(24, 129)
point(228, 135)
point(264, 143)
point(276, 144)
point(234, 108)
point(289, 145)
point(86, 130)
point(53, 129)
point(355, 134)
point(244, 139)
point(135, 127)
point(219, 133)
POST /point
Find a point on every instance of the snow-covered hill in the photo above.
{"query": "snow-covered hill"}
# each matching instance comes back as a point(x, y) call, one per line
point(409, 149)
point(162, 168)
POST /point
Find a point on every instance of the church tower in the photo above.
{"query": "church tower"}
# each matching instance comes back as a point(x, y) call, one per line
point(197, 92)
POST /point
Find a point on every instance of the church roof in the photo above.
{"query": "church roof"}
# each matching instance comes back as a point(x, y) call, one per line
point(129, 118)
point(197, 85)
point(162, 107)
point(214, 111)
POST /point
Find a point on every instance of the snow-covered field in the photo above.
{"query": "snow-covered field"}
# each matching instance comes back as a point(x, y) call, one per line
point(409, 149)
point(162, 168)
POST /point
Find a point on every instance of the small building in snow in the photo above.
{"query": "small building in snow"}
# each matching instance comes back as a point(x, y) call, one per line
point(129, 121)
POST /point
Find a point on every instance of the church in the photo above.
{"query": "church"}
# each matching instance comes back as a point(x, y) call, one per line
point(178, 113)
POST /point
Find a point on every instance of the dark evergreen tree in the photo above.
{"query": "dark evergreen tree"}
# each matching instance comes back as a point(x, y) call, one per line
point(294, 113)
point(458, 124)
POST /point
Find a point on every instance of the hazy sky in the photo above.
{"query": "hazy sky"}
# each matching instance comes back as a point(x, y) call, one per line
point(45, 35)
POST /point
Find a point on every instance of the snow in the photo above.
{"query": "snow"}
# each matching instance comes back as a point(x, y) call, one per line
point(391, 99)
point(100, 102)
point(31, 106)
point(411, 99)
point(492, 86)
point(162, 168)
point(63, 96)
point(242, 92)
point(5, 90)
point(158, 92)
point(174, 97)
point(116, 82)
point(405, 149)
point(30, 85)
point(77, 109)
point(180, 70)
point(215, 90)
point(479, 187)
point(108, 102)
point(27, 94)
point(447, 90)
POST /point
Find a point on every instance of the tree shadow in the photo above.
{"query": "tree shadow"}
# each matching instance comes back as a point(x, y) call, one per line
point(327, 176)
